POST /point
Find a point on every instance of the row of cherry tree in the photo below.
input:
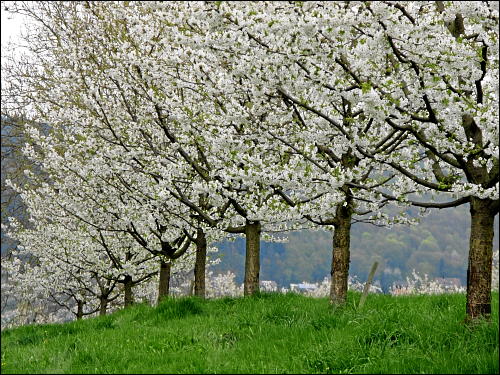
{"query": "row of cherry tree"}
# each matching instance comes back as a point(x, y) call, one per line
point(159, 127)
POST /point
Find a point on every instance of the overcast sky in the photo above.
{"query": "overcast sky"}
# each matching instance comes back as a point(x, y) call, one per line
point(10, 25)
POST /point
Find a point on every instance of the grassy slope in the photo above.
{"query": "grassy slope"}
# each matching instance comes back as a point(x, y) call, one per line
point(264, 334)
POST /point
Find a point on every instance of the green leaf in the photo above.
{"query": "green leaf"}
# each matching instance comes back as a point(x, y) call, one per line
point(366, 87)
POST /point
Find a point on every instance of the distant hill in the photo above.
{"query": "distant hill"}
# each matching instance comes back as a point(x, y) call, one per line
point(438, 246)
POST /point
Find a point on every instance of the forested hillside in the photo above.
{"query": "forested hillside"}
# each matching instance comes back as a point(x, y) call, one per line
point(437, 246)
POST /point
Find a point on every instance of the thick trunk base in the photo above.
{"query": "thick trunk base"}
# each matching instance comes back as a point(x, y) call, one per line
point(340, 257)
point(129, 296)
point(79, 310)
point(164, 283)
point(103, 306)
point(480, 259)
point(252, 258)
point(200, 264)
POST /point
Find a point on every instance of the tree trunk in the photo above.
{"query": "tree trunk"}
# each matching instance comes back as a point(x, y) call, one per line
point(200, 263)
point(252, 258)
point(340, 255)
point(103, 305)
point(480, 258)
point(79, 310)
point(164, 283)
point(129, 296)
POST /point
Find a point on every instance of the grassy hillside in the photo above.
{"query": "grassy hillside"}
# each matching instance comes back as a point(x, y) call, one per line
point(269, 333)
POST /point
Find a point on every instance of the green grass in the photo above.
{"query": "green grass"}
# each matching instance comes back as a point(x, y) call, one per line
point(268, 333)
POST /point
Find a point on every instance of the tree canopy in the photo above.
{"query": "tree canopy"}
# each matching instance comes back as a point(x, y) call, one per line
point(169, 119)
